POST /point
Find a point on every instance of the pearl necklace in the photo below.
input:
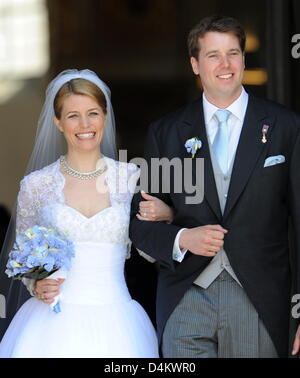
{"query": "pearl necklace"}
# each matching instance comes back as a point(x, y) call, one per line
point(82, 175)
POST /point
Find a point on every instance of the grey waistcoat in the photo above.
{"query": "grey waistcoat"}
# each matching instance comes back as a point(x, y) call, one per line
point(220, 261)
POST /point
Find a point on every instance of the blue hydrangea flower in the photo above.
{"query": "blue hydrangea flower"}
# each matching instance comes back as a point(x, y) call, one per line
point(39, 250)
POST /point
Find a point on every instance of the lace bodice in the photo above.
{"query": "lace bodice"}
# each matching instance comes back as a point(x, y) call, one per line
point(41, 202)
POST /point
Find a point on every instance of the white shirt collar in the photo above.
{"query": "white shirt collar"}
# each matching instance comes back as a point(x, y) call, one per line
point(237, 108)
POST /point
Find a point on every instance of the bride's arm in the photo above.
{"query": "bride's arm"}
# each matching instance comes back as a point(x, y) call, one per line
point(27, 205)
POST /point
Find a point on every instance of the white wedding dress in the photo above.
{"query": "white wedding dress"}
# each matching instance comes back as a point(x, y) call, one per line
point(98, 317)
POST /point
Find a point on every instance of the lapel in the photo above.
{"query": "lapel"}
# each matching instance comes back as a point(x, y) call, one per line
point(193, 125)
point(248, 151)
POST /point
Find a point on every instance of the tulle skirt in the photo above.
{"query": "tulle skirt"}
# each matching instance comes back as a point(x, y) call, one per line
point(112, 330)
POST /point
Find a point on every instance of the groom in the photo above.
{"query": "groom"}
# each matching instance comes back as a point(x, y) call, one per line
point(224, 288)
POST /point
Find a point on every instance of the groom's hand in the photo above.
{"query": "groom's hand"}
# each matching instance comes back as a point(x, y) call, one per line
point(204, 240)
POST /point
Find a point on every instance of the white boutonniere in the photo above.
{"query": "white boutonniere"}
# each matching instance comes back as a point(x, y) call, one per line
point(192, 145)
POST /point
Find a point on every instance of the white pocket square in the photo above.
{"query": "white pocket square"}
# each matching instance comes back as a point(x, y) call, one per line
point(273, 160)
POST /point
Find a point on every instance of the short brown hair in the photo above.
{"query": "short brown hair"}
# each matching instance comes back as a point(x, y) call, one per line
point(221, 24)
point(79, 87)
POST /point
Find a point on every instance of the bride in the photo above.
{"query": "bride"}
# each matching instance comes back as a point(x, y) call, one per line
point(86, 195)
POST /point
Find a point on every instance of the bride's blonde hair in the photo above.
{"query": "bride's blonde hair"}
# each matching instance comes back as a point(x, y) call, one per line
point(79, 86)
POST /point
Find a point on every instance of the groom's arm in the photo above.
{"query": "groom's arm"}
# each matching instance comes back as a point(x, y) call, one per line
point(154, 238)
point(161, 240)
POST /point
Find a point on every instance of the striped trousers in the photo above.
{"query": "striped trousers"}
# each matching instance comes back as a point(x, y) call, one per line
point(217, 322)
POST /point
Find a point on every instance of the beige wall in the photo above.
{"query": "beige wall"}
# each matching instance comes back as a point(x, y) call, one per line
point(18, 120)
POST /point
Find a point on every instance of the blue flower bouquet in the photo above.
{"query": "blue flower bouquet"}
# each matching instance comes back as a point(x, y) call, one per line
point(39, 253)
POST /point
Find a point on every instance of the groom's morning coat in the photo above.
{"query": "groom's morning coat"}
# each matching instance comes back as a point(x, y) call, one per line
point(259, 205)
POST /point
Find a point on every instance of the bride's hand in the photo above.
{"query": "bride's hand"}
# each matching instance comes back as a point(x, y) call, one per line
point(46, 290)
point(296, 345)
point(153, 209)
